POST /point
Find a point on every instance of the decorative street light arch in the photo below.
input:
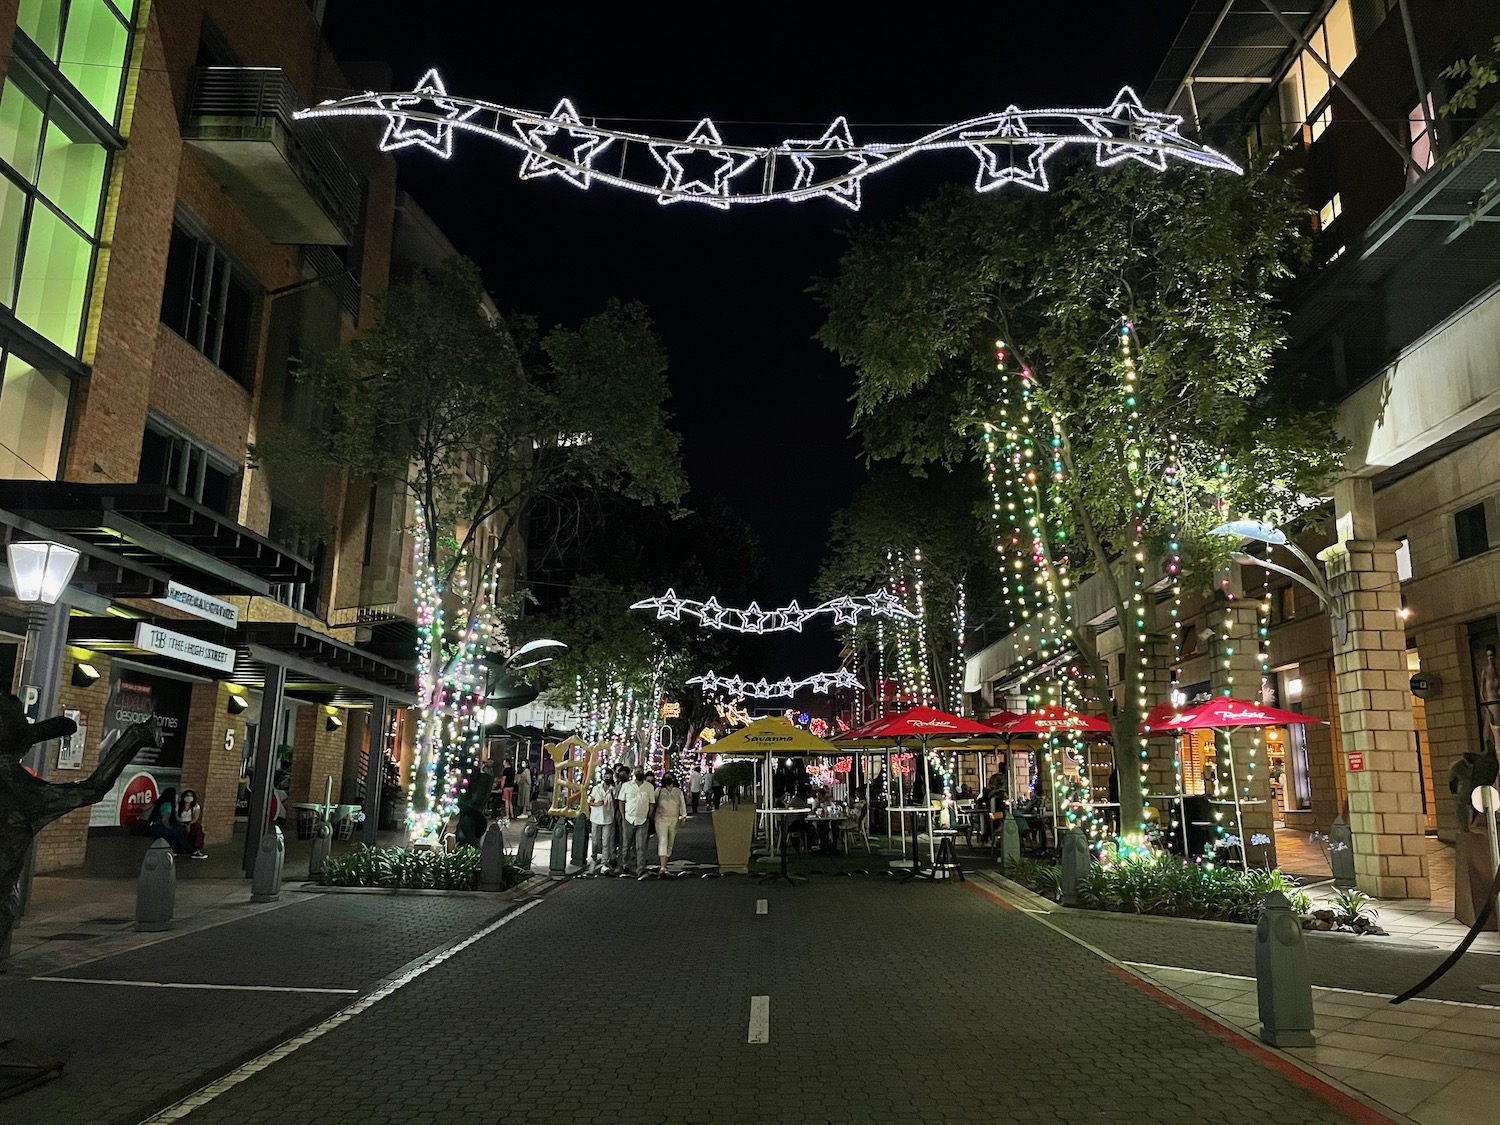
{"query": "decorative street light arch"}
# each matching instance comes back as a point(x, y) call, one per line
point(1013, 147)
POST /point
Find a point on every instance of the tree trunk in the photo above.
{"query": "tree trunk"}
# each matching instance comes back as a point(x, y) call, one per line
point(28, 804)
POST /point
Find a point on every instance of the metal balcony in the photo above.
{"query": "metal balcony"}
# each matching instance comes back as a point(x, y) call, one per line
point(289, 176)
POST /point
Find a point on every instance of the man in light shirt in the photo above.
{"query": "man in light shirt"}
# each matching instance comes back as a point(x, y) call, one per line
point(695, 787)
point(637, 796)
point(602, 824)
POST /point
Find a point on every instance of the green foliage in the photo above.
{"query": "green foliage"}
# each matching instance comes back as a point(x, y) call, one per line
point(1175, 888)
point(1352, 903)
point(1042, 878)
point(457, 870)
point(731, 774)
point(1477, 72)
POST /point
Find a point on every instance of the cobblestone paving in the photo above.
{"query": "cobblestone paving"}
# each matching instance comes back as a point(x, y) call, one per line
point(923, 1003)
point(128, 1050)
point(1361, 963)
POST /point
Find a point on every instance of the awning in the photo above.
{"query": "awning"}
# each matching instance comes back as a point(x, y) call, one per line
point(319, 667)
point(138, 537)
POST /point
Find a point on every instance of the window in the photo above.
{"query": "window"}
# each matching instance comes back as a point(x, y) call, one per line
point(33, 419)
point(88, 41)
point(52, 180)
point(294, 533)
point(1302, 91)
point(1329, 212)
point(1471, 531)
point(1283, 604)
point(209, 302)
point(170, 457)
point(1417, 128)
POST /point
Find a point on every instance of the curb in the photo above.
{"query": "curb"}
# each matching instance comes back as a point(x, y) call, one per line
point(518, 891)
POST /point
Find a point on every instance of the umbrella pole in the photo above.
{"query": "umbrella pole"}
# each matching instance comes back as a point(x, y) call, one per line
point(1234, 791)
point(1181, 794)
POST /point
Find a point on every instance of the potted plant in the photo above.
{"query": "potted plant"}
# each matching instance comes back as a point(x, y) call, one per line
point(734, 825)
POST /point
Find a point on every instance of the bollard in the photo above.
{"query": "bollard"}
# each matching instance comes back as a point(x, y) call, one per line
point(580, 841)
point(557, 861)
point(527, 846)
point(1341, 853)
point(321, 845)
point(1283, 982)
point(492, 859)
point(156, 889)
point(1075, 864)
point(265, 886)
point(1010, 842)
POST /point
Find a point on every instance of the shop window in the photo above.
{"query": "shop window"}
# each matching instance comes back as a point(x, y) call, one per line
point(187, 467)
point(209, 302)
point(33, 419)
point(1471, 531)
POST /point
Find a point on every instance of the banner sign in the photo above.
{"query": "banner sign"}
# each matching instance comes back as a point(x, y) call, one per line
point(201, 605)
point(179, 646)
point(133, 698)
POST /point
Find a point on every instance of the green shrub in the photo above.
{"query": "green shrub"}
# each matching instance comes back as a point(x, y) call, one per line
point(457, 870)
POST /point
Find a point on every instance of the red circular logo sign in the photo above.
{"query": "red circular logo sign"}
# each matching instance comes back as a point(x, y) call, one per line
point(136, 800)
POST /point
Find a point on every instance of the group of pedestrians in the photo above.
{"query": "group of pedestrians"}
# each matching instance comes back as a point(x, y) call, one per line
point(625, 807)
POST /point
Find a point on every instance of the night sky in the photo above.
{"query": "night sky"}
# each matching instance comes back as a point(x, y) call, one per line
point(762, 406)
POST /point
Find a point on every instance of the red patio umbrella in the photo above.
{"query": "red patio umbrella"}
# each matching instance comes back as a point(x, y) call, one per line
point(1224, 713)
point(1054, 719)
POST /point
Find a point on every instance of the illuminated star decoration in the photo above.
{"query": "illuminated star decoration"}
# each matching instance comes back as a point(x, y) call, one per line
point(1012, 146)
point(433, 135)
point(835, 144)
point(821, 682)
point(542, 162)
point(997, 163)
point(704, 138)
point(789, 618)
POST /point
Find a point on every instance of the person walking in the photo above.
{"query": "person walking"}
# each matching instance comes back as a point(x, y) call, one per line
point(637, 795)
point(523, 789)
point(622, 775)
point(508, 790)
point(671, 814)
point(695, 786)
point(602, 824)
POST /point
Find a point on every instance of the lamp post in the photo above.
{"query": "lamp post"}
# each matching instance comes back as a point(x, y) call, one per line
point(1262, 532)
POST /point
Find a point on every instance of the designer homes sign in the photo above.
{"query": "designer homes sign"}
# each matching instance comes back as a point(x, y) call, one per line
point(152, 638)
point(201, 605)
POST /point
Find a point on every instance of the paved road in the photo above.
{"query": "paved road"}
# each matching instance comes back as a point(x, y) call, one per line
point(622, 1001)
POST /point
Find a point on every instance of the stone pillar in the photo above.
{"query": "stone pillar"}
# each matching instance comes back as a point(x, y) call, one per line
point(1450, 712)
point(211, 758)
point(1385, 795)
point(1236, 672)
point(319, 755)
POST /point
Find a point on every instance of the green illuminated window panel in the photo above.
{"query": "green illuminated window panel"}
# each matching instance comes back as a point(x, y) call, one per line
point(12, 222)
point(41, 20)
point(21, 117)
point(94, 49)
point(54, 278)
point(72, 173)
point(33, 419)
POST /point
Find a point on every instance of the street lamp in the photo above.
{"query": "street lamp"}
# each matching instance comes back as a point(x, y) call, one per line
point(39, 570)
point(1262, 532)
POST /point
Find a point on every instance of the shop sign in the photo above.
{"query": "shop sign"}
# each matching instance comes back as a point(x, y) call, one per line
point(201, 605)
point(1356, 761)
point(1421, 686)
point(70, 750)
point(179, 646)
point(134, 697)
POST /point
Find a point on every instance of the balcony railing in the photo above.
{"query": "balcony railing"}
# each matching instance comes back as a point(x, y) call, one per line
point(328, 268)
point(255, 105)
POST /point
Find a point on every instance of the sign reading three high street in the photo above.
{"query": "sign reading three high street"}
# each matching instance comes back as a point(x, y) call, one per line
point(201, 605)
point(152, 638)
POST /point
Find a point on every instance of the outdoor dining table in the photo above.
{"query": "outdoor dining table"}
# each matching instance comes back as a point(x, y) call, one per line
point(917, 871)
point(783, 873)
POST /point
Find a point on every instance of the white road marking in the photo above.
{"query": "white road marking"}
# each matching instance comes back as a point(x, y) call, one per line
point(219, 987)
point(762, 906)
point(248, 1070)
point(760, 1019)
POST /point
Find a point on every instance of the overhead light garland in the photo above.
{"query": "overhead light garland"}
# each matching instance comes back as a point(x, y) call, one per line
point(753, 619)
point(820, 682)
point(1013, 147)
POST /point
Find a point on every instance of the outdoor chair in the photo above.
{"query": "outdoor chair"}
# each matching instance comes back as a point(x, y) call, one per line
point(855, 824)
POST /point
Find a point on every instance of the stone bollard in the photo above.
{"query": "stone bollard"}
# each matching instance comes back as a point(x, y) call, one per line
point(1341, 853)
point(1075, 864)
point(492, 859)
point(265, 885)
point(527, 846)
point(322, 844)
point(1010, 842)
point(1283, 982)
point(156, 889)
point(557, 865)
point(581, 841)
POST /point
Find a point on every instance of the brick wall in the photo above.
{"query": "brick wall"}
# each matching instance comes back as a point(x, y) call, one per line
point(319, 754)
point(210, 761)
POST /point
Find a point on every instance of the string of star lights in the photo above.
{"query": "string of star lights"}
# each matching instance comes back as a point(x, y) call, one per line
point(753, 619)
point(820, 682)
point(1012, 146)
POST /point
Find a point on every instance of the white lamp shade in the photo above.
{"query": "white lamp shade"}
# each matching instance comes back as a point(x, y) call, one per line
point(1258, 530)
point(40, 571)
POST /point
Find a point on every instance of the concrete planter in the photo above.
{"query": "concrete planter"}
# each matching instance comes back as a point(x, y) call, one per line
point(733, 829)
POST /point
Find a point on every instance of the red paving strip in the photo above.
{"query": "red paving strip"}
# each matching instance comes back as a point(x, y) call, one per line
point(1351, 1108)
point(1355, 1110)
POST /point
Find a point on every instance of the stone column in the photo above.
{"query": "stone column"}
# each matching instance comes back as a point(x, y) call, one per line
point(1382, 770)
point(1237, 672)
point(211, 759)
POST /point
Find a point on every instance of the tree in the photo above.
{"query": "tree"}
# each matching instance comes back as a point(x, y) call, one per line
point(905, 530)
point(28, 803)
point(1122, 330)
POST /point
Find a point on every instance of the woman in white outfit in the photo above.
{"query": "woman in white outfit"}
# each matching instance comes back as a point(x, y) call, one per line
point(671, 812)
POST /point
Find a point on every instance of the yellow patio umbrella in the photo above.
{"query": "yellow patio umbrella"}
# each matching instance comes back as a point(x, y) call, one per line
point(771, 736)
